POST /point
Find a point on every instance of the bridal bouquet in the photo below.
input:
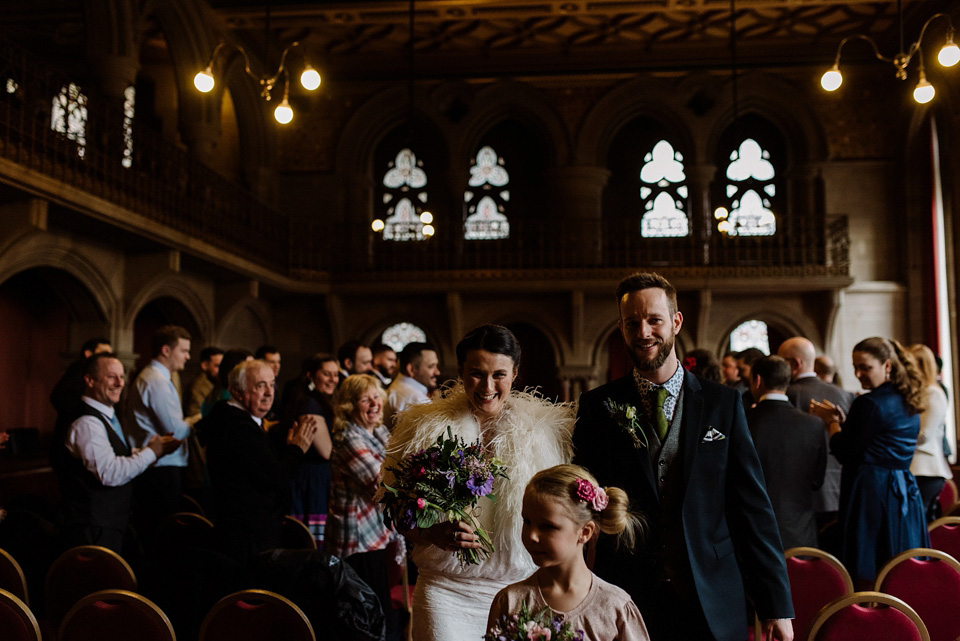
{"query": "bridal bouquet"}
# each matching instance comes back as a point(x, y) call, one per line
point(446, 479)
point(526, 626)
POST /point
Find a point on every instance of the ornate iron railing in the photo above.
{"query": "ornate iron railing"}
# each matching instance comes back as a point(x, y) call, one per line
point(168, 187)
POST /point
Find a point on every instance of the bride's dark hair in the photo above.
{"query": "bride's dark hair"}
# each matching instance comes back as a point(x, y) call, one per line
point(495, 339)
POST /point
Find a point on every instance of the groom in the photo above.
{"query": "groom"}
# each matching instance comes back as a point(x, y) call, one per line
point(680, 448)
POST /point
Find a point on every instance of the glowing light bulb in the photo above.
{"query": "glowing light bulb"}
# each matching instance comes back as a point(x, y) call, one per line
point(949, 54)
point(426, 218)
point(428, 230)
point(924, 92)
point(377, 225)
point(283, 113)
point(203, 81)
point(720, 213)
point(310, 79)
point(832, 79)
point(724, 226)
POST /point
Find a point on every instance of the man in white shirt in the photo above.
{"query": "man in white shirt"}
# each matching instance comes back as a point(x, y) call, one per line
point(155, 409)
point(96, 490)
point(419, 368)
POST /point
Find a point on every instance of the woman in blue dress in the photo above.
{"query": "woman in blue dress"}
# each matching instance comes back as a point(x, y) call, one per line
point(881, 511)
point(310, 488)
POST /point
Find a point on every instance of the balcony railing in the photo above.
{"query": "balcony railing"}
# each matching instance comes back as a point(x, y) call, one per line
point(356, 252)
point(163, 183)
point(168, 187)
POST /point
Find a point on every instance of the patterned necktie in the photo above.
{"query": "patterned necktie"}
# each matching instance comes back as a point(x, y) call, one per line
point(659, 417)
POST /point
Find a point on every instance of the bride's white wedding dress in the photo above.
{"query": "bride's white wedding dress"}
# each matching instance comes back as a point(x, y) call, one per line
point(451, 602)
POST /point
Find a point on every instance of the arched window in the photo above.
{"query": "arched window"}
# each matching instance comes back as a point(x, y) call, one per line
point(68, 115)
point(404, 195)
point(648, 180)
point(398, 336)
point(752, 333)
point(752, 163)
point(664, 193)
point(486, 199)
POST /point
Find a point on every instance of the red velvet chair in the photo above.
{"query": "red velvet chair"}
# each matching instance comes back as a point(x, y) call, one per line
point(948, 497)
point(816, 579)
point(17, 622)
point(115, 615)
point(254, 615)
point(184, 530)
point(81, 571)
point(868, 615)
point(12, 578)
point(945, 535)
point(929, 582)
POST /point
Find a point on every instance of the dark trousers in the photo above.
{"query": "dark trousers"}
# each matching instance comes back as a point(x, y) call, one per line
point(156, 495)
point(930, 488)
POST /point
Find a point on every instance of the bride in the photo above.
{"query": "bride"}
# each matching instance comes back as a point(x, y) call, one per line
point(527, 433)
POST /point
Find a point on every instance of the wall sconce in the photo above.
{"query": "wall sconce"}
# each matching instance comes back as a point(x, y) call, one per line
point(309, 79)
point(924, 91)
point(723, 224)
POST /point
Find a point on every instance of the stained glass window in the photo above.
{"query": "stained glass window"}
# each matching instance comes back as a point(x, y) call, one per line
point(398, 336)
point(750, 189)
point(663, 193)
point(69, 116)
point(404, 195)
point(129, 100)
point(752, 333)
point(486, 201)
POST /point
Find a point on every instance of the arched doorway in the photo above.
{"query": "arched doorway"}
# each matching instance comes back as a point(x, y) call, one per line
point(154, 315)
point(618, 360)
point(45, 314)
point(538, 361)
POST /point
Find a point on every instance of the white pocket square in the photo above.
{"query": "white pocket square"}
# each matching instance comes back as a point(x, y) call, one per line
point(713, 435)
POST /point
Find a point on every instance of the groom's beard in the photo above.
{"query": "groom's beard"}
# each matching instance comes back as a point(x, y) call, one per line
point(652, 364)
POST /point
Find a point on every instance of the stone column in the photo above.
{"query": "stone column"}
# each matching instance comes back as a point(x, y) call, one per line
point(699, 179)
point(576, 201)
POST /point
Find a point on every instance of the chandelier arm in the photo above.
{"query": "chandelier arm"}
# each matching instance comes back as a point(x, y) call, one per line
point(283, 60)
point(923, 30)
point(873, 45)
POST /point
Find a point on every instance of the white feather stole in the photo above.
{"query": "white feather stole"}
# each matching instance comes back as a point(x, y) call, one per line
point(531, 434)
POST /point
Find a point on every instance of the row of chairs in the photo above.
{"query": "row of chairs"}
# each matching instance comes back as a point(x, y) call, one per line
point(119, 615)
point(916, 596)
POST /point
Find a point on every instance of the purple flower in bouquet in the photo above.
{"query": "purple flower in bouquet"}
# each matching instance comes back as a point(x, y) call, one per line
point(443, 481)
point(478, 487)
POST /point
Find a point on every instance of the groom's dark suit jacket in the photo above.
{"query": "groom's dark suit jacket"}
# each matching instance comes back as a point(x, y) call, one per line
point(729, 529)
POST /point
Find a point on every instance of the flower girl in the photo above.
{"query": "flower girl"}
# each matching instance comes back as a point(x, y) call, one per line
point(562, 509)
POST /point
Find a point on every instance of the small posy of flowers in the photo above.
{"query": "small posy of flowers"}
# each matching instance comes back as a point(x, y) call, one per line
point(446, 479)
point(526, 626)
point(628, 419)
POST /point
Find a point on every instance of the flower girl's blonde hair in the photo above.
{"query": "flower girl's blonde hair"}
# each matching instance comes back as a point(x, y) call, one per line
point(561, 483)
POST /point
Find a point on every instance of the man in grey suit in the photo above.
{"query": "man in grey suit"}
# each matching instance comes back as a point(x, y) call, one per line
point(804, 387)
point(792, 451)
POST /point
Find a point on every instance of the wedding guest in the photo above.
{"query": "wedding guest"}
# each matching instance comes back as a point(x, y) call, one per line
point(702, 363)
point(881, 512)
point(311, 485)
point(929, 464)
point(527, 433)
point(355, 529)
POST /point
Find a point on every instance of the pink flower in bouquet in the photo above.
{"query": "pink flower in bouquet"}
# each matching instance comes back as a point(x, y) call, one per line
point(421, 504)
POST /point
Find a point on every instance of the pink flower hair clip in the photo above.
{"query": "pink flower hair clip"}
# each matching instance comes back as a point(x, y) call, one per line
point(592, 494)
